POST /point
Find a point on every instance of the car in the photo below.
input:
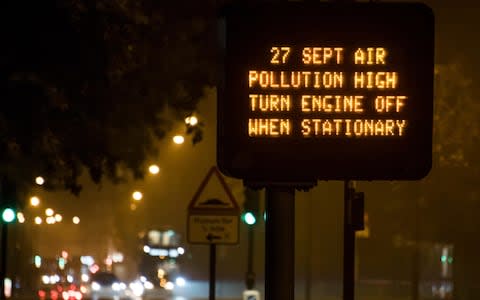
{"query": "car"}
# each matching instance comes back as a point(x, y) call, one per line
point(106, 285)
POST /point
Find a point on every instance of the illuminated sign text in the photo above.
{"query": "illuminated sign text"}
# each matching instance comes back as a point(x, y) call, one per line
point(266, 83)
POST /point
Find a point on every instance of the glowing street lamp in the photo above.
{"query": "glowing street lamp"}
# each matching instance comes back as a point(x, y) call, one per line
point(49, 212)
point(20, 217)
point(153, 169)
point(137, 196)
point(34, 201)
point(191, 120)
point(58, 217)
point(39, 180)
point(38, 220)
point(76, 220)
point(178, 139)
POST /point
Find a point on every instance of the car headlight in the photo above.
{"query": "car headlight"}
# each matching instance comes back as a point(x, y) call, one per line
point(118, 286)
point(137, 288)
point(95, 286)
point(169, 286)
point(180, 281)
point(148, 285)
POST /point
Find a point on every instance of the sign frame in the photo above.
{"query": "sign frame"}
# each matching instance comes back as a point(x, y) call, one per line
point(273, 159)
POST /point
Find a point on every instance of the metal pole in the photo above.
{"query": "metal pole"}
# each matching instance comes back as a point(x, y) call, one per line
point(279, 243)
point(213, 258)
point(250, 278)
point(308, 254)
point(3, 266)
point(348, 244)
point(416, 254)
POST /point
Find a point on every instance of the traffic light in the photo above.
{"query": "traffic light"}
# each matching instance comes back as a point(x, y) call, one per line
point(8, 214)
point(8, 205)
point(251, 206)
point(446, 259)
point(61, 263)
point(249, 218)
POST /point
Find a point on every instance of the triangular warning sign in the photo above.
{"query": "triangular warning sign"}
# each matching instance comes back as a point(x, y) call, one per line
point(213, 194)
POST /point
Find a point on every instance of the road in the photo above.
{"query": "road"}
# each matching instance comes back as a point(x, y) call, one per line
point(194, 290)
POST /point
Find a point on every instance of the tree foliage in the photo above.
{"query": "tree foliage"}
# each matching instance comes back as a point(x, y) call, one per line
point(424, 209)
point(457, 126)
point(95, 83)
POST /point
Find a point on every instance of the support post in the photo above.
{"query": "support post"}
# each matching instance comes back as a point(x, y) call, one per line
point(416, 255)
point(308, 254)
point(3, 262)
point(348, 243)
point(213, 260)
point(250, 276)
point(279, 243)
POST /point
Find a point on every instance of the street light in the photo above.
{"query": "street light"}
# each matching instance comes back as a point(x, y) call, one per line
point(39, 180)
point(20, 217)
point(76, 220)
point(49, 212)
point(191, 120)
point(137, 196)
point(58, 217)
point(178, 139)
point(34, 201)
point(153, 169)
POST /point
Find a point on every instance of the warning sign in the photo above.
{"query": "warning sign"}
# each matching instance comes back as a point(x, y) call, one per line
point(213, 213)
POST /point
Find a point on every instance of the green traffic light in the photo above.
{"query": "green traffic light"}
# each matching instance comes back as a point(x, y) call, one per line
point(61, 263)
point(249, 218)
point(8, 215)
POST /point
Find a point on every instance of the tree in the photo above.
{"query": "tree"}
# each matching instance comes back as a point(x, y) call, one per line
point(442, 207)
point(93, 85)
point(456, 137)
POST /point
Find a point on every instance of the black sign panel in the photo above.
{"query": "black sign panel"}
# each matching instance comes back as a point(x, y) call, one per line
point(326, 91)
